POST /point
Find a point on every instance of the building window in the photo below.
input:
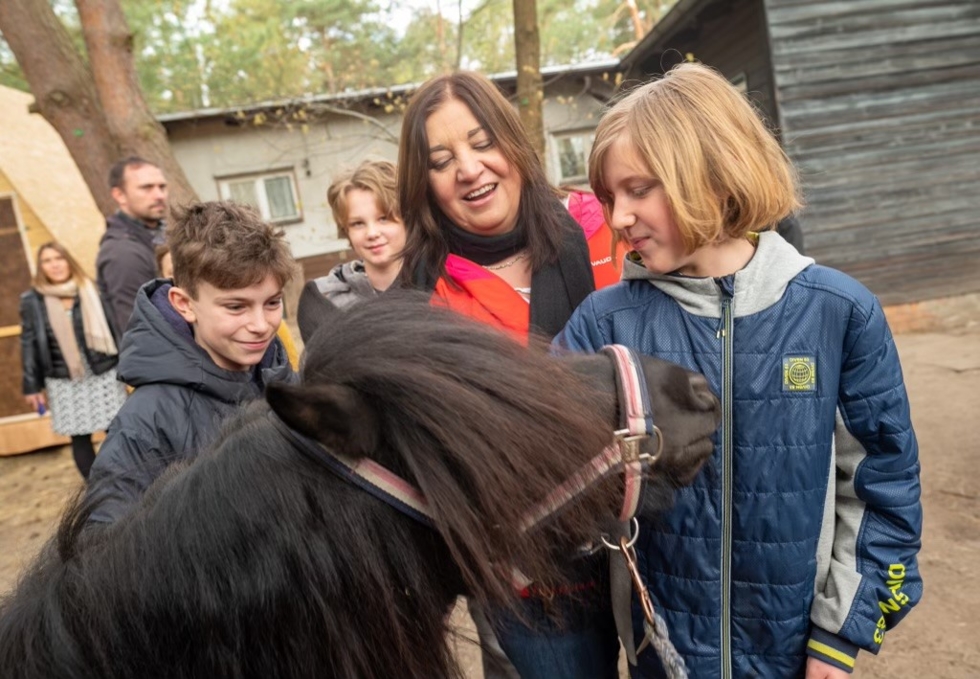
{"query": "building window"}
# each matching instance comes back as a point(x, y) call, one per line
point(573, 156)
point(273, 194)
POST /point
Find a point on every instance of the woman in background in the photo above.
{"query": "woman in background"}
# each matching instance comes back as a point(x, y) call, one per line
point(68, 351)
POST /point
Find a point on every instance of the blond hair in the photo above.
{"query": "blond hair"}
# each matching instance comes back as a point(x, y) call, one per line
point(721, 168)
point(378, 177)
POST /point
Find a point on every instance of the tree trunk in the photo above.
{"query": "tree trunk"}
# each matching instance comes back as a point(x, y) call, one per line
point(530, 87)
point(109, 43)
point(98, 110)
point(64, 91)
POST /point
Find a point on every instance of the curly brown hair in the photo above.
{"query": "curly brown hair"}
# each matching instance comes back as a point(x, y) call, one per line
point(226, 245)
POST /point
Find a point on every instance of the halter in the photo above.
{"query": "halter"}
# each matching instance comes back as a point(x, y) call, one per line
point(623, 454)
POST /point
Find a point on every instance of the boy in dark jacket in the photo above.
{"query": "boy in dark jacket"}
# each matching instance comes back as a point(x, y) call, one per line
point(195, 349)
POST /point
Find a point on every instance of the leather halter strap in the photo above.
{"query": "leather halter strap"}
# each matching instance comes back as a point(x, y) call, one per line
point(364, 473)
point(623, 453)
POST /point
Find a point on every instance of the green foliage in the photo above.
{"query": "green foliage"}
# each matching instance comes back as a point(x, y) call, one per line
point(208, 53)
point(11, 74)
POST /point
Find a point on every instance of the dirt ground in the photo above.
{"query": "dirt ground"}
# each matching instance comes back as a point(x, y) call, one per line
point(939, 345)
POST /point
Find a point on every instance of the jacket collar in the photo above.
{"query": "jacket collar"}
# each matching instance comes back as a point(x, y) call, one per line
point(756, 287)
point(136, 228)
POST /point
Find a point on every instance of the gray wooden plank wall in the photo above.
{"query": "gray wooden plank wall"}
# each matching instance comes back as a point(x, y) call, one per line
point(880, 110)
point(728, 35)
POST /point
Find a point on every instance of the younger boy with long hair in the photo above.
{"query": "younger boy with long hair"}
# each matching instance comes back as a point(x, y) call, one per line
point(797, 546)
point(196, 348)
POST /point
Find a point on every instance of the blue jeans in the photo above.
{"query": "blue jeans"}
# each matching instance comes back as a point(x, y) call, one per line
point(576, 641)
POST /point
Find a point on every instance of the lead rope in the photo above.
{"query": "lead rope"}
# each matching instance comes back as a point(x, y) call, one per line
point(654, 626)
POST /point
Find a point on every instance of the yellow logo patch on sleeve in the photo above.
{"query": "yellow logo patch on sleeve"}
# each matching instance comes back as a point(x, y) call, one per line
point(799, 373)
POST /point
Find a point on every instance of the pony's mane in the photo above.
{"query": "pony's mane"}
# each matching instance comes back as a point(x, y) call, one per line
point(255, 559)
point(485, 426)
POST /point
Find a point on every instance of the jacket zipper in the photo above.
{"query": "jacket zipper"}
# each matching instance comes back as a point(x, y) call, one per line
point(725, 333)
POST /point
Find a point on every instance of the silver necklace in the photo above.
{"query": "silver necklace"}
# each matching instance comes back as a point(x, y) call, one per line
point(510, 262)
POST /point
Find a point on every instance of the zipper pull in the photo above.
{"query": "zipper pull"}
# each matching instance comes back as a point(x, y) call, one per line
point(727, 287)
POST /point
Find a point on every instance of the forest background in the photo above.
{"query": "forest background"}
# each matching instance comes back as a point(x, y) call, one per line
point(192, 54)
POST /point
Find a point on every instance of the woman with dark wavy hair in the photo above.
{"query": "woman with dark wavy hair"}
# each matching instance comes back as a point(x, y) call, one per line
point(487, 234)
point(490, 238)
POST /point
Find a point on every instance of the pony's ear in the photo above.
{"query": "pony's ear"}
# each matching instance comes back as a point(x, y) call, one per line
point(313, 311)
point(335, 415)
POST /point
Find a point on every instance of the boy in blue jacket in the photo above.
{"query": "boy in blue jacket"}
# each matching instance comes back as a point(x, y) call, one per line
point(797, 545)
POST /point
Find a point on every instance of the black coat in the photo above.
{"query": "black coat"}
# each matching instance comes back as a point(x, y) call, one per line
point(126, 260)
point(41, 356)
point(180, 398)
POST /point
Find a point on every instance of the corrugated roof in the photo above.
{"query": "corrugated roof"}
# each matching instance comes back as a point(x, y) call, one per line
point(547, 72)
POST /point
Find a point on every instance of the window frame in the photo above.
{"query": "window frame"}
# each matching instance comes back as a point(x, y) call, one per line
point(224, 191)
point(556, 138)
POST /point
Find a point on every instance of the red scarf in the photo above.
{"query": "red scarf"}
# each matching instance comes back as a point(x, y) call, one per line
point(470, 290)
point(483, 296)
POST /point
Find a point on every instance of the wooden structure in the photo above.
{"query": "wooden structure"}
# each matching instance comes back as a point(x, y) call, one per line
point(42, 198)
point(878, 104)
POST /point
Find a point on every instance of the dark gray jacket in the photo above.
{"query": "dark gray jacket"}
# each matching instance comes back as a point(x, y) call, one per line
point(126, 260)
point(180, 398)
point(345, 285)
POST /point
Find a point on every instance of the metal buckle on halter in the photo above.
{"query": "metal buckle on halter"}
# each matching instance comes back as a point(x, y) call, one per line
point(629, 446)
point(629, 543)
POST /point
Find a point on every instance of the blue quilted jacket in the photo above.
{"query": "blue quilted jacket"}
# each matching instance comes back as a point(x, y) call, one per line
point(800, 535)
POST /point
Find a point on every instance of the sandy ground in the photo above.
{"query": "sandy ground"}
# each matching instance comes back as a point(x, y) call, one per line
point(940, 350)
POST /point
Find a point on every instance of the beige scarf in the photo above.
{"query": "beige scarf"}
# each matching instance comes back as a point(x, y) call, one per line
point(98, 337)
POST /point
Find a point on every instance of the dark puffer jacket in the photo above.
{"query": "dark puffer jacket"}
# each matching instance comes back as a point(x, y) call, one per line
point(126, 261)
point(180, 398)
point(40, 353)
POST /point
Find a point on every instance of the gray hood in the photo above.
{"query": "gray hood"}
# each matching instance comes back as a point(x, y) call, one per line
point(758, 286)
point(346, 284)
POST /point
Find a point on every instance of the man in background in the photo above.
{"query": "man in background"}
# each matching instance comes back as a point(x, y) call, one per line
point(126, 258)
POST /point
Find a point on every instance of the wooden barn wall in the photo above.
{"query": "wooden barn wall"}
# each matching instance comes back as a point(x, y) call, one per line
point(880, 108)
point(729, 35)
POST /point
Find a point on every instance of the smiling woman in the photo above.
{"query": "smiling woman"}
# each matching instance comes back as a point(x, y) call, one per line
point(489, 238)
point(487, 235)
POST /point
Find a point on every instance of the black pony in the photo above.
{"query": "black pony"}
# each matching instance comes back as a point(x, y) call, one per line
point(255, 561)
